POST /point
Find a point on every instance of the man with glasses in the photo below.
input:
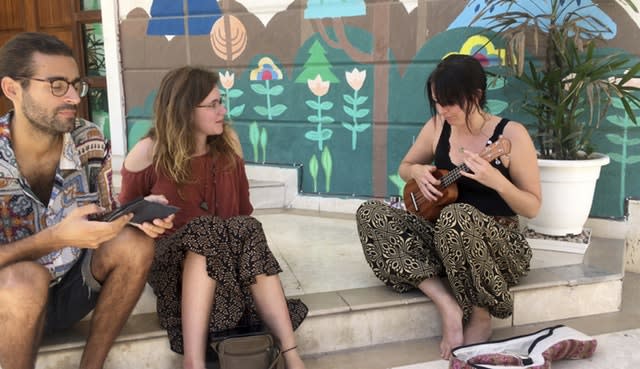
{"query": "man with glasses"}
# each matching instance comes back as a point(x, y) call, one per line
point(55, 264)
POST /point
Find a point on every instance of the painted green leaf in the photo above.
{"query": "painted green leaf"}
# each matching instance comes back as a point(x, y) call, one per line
point(616, 157)
point(362, 113)
point(348, 110)
point(327, 165)
point(236, 111)
point(616, 139)
point(312, 135)
point(495, 83)
point(313, 171)
point(618, 121)
point(361, 100)
point(496, 106)
point(263, 137)
point(348, 126)
point(348, 99)
point(277, 110)
point(362, 126)
point(235, 93)
point(326, 105)
point(398, 182)
point(259, 89)
point(313, 118)
point(276, 90)
point(327, 120)
point(254, 133)
point(633, 159)
point(326, 134)
point(312, 104)
point(633, 141)
point(262, 110)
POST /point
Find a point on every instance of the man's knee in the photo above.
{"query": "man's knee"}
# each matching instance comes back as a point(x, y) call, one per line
point(131, 249)
point(24, 284)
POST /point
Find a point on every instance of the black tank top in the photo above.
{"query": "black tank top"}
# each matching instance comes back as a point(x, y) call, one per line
point(471, 192)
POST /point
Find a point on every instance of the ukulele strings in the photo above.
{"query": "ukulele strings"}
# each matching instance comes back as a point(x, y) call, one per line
point(445, 182)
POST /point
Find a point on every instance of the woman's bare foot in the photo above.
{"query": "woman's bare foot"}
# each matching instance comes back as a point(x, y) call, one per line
point(451, 330)
point(292, 359)
point(478, 329)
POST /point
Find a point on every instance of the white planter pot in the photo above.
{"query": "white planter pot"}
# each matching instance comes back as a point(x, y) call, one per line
point(567, 194)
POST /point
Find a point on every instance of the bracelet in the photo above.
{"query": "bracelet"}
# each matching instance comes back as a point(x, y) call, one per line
point(289, 349)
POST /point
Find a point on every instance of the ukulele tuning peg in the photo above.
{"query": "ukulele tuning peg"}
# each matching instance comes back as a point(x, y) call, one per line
point(498, 162)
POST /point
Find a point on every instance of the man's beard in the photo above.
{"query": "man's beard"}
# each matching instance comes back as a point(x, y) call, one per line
point(40, 120)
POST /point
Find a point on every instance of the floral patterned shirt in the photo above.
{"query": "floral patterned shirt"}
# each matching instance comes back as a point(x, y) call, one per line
point(83, 176)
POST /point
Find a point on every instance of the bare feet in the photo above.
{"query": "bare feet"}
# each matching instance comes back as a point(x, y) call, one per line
point(451, 330)
point(478, 329)
point(292, 360)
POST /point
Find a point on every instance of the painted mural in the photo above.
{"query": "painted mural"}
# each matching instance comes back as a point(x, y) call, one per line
point(337, 86)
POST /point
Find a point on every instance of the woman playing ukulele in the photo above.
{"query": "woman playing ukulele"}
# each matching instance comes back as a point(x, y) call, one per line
point(475, 241)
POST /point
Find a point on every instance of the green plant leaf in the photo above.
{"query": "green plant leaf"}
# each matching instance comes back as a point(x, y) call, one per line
point(312, 104)
point(313, 118)
point(326, 134)
point(262, 110)
point(348, 99)
point(276, 90)
point(348, 110)
point(254, 133)
point(235, 93)
point(616, 157)
point(259, 89)
point(278, 109)
point(327, 120)
point(633, 159)
point(326, 105)
point(361, 100)
point(237, 111)
point(362, 113)
point(312, 135)
point(615, 139)
point(362, 127)
point(496, 106)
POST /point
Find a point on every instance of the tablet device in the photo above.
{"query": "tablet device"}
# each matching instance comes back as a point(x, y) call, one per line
point(143, 211)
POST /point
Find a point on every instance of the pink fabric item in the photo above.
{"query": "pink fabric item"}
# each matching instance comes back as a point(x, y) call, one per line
point(533, 351)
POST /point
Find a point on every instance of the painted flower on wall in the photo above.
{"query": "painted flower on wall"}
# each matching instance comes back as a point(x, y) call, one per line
point(318, 86)
point(483, 49)
point(356, 78)
point(227, 79)
point(267, 70)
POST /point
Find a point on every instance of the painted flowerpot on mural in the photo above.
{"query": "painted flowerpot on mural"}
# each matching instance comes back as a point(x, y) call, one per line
point(570, 86)
point(567, 194)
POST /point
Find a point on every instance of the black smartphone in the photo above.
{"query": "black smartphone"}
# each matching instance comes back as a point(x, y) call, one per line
point(143, 211)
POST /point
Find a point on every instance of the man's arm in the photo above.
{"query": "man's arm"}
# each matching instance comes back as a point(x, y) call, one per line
point(74, 230)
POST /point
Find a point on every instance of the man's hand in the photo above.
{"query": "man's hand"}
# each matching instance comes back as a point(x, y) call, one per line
point(158, 226)
point(77, 230)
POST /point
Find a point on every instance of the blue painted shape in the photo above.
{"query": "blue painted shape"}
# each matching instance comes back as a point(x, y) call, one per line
point(334, 8)
point(534, 7)
point(167, 17)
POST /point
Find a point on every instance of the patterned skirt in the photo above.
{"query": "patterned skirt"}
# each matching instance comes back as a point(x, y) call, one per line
point(236, 252)
point(480, 256)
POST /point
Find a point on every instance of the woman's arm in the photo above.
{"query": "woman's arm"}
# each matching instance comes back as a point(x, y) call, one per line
point(416, 164)
point(523, 192)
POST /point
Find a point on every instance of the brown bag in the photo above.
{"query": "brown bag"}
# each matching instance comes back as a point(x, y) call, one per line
point(249, 352)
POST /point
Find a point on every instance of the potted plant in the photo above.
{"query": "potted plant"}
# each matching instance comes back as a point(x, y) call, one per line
point(569, 84)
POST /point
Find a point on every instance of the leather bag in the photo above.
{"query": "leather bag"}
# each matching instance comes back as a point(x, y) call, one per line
point(249, 352)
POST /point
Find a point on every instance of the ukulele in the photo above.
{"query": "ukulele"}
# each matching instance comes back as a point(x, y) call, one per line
point(418, 204)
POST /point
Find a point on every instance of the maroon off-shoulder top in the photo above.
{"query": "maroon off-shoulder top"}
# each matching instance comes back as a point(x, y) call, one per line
point(225, 191)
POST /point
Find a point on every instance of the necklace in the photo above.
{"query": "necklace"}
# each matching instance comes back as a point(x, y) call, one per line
point(203, 204)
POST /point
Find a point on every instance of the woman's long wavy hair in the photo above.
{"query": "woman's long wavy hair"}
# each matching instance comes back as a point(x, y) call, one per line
point(181, 90)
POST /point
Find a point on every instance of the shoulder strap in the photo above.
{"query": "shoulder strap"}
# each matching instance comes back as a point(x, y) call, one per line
point(499, 129)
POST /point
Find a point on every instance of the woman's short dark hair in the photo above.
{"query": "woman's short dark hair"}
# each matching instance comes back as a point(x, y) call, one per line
point(458, 80)
point(16, 56)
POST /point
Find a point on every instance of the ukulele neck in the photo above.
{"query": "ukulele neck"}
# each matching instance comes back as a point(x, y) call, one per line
point(453, 175)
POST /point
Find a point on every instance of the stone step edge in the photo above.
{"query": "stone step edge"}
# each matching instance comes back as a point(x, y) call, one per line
point(140, 326)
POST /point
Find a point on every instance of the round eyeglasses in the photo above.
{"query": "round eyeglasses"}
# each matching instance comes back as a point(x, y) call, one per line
point(60, 86)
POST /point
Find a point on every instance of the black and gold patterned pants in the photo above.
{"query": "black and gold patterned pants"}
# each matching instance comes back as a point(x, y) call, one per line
point(480, 256)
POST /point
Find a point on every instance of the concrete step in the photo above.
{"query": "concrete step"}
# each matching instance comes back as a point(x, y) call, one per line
point(359, 317)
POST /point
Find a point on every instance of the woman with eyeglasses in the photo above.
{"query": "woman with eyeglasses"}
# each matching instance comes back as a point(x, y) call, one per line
point(214, 270)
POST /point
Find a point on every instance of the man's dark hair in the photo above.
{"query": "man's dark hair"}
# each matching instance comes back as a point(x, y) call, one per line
point(16, 56)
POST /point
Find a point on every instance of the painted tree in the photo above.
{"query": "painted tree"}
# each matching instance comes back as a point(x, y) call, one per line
point(380, 15)
point(317, 64)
